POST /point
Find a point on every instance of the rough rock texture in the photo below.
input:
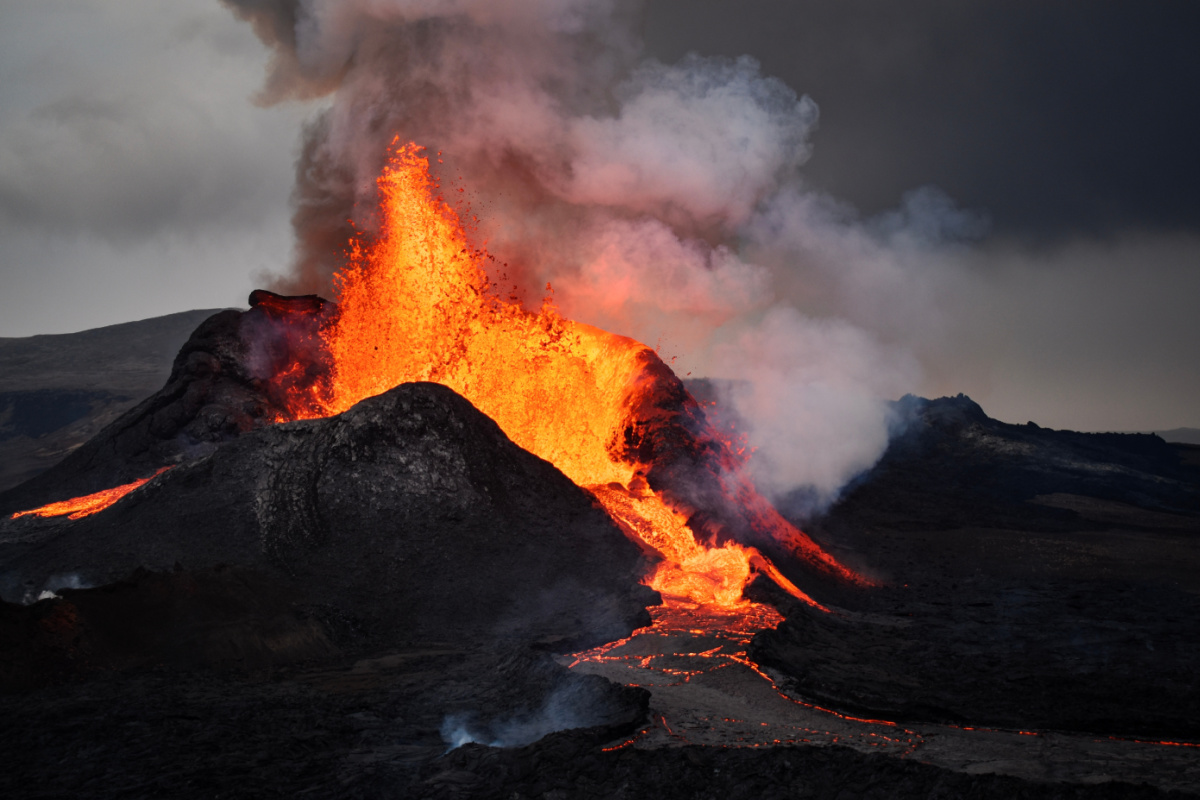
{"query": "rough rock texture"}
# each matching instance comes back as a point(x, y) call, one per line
point(223, 618)
point(950, 465)
point(372, 729)
point(1116, 660)
point(1031, 578)
point(411, 513)
point(327, 730)
point(218, 388)
point(563, 767)
point(59, 390)
point(411, 536)
point(235, 373)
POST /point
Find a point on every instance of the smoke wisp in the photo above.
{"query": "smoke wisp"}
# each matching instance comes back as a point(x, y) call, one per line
point(559, 712)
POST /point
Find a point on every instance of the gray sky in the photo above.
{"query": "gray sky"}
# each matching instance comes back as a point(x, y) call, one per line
point(138, 178)
point(1057, 117)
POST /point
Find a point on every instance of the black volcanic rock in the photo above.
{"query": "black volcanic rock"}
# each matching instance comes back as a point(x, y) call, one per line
point(220, 617)
point(371, 730)
point(1102, 657)
point(219, 388)
point(950, 464)
point(563, 765)
point(411, 513)
point(242, 371)
point(404, 554)
point(59, 390)
point(1030, 578)
point(323, 729)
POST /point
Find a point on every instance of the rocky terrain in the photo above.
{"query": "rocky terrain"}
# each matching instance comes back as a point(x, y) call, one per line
point(378, 605)
point(373, 728)
point(1031, 578)
point(57, 391)
point(411, 513)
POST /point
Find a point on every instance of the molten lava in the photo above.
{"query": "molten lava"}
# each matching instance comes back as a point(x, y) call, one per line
point(78, 507)
point(417, 305)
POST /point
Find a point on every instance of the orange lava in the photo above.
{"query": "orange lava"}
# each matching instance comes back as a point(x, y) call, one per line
point(734, 627)
point(716, 639)
point(417, 305)
point(78, 507)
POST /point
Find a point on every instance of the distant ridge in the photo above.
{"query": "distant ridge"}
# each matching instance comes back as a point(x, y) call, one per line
point(58, 390)
point(1181, 435)
point(1175, 435)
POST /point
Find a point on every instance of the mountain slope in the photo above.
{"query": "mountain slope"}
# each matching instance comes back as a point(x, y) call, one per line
point(57, 391)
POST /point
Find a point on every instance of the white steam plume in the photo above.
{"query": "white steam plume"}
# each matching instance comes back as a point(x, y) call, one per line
point(662, 201)
point(562, 710)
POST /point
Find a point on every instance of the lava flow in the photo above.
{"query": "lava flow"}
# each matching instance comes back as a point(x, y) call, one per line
point(707, 690)
point(78, 507)
point(417, 305)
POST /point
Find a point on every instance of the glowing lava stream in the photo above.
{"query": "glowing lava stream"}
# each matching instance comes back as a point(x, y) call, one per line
point(734, 630)
point(687, 649)
point(78, 507)
point(706, 691)
point(417, 305)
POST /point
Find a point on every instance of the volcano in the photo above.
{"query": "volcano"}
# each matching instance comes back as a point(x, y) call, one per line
point(416, 305)
point(421, 541)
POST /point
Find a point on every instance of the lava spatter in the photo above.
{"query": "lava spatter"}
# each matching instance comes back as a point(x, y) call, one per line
point(415, 304)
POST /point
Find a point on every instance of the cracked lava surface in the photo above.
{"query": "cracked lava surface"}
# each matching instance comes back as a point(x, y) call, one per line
point(706, 691)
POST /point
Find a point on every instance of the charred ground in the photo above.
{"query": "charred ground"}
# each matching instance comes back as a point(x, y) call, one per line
point(324, 596)
point(1031, 578)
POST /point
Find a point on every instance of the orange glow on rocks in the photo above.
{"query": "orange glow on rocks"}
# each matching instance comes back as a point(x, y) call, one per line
point(417, 305)
point(78, 507)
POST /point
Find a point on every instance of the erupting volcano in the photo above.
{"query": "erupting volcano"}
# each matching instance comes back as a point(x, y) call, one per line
point(417, 305)
point(430, 483)
point(431, 516)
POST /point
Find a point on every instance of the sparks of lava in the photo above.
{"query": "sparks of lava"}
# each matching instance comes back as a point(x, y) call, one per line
point(417, 305)
point(78, 507)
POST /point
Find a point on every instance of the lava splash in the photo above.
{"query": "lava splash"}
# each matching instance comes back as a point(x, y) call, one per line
point(416, 304)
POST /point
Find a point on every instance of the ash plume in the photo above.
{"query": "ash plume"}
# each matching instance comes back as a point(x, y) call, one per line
point(661, 201)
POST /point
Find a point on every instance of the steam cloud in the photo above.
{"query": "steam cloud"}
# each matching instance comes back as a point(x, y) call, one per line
point(662, 201)
point(53, 585)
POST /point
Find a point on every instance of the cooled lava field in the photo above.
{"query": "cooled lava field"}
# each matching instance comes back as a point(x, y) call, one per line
point(398, 601)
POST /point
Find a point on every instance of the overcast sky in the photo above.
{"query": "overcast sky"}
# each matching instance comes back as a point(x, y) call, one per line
point(139, 178)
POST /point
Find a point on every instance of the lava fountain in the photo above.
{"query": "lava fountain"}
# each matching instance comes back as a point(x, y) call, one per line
point(416, 304)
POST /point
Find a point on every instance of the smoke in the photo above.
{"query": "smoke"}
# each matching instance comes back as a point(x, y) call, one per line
point(661, 201)
point(856, 303)
point(810, 396)
point(560, 711)
point(52, 586)
point(530, 695)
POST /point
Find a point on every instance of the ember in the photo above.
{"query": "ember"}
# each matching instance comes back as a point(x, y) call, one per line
point(417, 305)
point(78, 507)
